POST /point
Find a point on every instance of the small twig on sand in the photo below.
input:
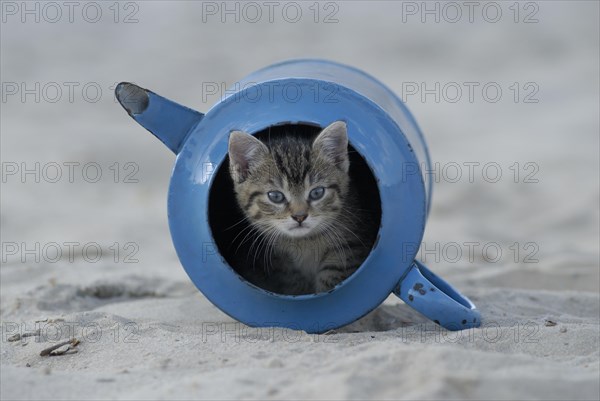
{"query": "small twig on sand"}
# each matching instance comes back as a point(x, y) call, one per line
point(71, 343)
point(18, 336)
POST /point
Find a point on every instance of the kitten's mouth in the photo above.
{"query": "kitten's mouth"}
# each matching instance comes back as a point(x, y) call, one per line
point(298, 230)
point(293, 229)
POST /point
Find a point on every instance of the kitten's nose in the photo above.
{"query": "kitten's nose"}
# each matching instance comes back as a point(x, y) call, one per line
point(299, 217)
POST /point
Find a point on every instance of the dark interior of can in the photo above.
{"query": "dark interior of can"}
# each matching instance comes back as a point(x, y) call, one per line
point(229, 227)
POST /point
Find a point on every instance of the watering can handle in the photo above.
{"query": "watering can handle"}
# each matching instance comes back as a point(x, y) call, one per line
point(168, 121)
point(436, 299)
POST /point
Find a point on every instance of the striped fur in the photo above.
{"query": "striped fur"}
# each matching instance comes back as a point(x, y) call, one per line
point(330, 243)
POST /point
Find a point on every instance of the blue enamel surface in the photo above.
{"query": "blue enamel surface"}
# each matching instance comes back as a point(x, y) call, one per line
point(316, 92)
point(427, 293)
point(168, 121)
point(339, 75)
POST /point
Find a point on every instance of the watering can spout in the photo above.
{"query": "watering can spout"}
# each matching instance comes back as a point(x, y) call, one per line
point(168, 121)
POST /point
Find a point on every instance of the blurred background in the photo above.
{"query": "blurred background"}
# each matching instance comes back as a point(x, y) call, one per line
point(506, 93)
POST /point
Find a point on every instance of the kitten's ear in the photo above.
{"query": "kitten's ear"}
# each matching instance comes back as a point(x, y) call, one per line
point(245, 152)
point(332, 143)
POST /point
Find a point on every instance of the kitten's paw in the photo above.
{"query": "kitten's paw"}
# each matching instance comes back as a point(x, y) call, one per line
point(328, 277)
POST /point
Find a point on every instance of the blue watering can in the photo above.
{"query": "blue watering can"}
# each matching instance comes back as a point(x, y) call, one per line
point(391, 147)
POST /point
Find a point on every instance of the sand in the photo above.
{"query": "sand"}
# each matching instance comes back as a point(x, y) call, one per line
point(146, 333)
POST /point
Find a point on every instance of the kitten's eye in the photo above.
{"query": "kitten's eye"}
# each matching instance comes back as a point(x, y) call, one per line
point(276, 196)
point(316, 193)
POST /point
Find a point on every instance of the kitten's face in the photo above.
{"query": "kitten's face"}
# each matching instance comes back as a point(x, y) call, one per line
point(294, 187)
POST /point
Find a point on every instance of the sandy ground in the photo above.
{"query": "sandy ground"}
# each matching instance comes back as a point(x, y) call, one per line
point(147, 333)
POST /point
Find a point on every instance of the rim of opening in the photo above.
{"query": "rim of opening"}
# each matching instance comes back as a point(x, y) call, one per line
point(232, 269)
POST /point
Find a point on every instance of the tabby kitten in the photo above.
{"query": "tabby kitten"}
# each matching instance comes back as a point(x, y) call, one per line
point(306, 230)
